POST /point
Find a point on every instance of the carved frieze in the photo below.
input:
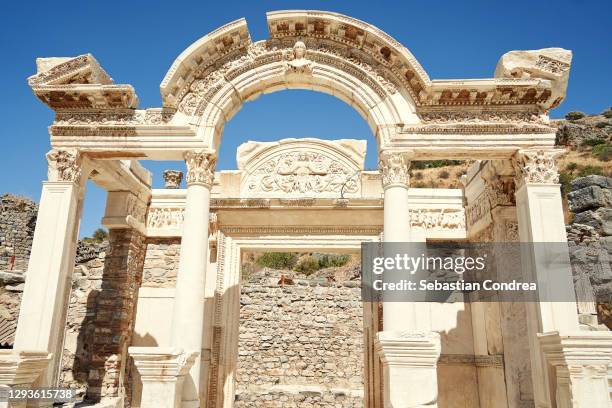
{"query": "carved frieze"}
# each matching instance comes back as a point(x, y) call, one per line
point(438, 219)
point(163, 217)
point(64, 165)
point(200, 168)
point(117, 118)
point(302, 172)
point(536, 166)
point(478, 209)
point(394, 168)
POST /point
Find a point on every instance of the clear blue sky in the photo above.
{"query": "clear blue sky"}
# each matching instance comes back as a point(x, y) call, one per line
point(136, 41)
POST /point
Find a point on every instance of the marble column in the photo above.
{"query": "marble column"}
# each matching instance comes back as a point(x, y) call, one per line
point(188, 315)
point(540, 220)
point(407, 347)
point(42, 315)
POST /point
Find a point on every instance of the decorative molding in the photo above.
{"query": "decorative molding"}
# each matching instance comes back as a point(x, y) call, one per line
point(303, 230)
point(536, 166)
point(394, 168)
point(64, 165)
point(447, 116)
point(200, 168)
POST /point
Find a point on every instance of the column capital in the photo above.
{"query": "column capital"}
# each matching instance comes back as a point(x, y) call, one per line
point(394, 168)
point(536, 166)
point(200, 167)
point(64, 165)
point(173, 178)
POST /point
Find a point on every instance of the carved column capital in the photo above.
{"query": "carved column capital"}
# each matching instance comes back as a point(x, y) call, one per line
point(536, 166)
point(64, 165)
point(173, 178)
point(200, 167)
point(394, 168)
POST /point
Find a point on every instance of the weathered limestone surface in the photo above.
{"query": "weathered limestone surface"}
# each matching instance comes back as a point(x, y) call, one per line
point(300, 345)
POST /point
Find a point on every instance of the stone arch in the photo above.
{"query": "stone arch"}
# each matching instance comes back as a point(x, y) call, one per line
point(321, 51)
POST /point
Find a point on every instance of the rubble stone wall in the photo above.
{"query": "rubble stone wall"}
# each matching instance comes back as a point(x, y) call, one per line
point(300, 344)
point(590, 241)
point(161, 262)
point(17, 222)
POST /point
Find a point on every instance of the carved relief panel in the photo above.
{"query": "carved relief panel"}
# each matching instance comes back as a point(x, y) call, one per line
point(302, 167)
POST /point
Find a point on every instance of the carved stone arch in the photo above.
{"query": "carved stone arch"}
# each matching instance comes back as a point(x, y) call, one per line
point(320, 51)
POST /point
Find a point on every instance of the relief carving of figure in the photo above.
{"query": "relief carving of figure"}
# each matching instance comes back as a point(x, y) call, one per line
point(296, 61)
point(302, 172)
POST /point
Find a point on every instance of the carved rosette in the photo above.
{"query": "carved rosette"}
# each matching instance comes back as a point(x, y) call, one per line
point(536, 166)
point(173, 178)
point(200, 168)
point(394, 168)
point(64, 165)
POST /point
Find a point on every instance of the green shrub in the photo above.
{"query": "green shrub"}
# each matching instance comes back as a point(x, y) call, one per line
point(432, 164)
point(571, 166)
point(565, 179)
point(418, 175)
point(591, 170)
point(575, 115)
point(607, 113)
point(277, 260)
point(444, 174)
point(420, 184)
point(330, 260)
point(592, 142)
point(602, 124)
point(307, 265)
point(603, 151)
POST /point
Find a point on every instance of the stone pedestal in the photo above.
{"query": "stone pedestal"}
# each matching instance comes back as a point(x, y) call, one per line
point(162, 372)
point(20, 369)
point(188, 314)
point(410, 368)
point(580, 363)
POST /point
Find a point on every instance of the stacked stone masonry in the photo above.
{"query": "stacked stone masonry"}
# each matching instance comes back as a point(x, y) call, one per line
point(300, 344)
point(17, 222)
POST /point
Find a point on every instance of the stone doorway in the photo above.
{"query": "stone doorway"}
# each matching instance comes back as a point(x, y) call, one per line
point(287, 339)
